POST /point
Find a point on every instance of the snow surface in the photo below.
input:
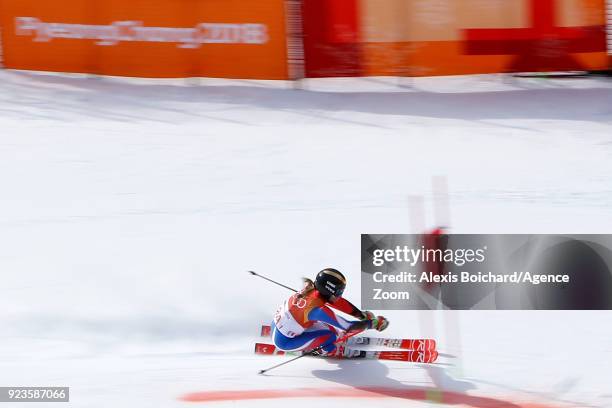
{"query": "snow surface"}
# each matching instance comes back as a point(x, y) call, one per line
point(131, 210)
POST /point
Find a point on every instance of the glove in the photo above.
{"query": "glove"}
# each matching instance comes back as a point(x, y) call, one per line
point(367, 315)
point(379, 323)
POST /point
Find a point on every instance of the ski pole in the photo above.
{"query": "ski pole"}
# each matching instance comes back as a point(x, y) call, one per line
point(309, 353)
point(270, 280)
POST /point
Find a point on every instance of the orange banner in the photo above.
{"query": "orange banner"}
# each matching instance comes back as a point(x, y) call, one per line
point(248, 38)
point(152, 38)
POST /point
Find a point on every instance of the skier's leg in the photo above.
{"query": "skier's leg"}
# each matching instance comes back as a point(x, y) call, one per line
point(308, 340)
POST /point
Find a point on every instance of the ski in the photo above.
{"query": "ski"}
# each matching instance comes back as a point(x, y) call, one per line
point(413, 356)
point(404, 344)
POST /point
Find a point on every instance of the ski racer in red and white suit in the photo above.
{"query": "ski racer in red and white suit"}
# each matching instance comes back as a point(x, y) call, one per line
point(306, 320)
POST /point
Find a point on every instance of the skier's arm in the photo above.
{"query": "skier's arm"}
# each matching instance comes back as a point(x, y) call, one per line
point(367, 320)
point(325, 315)
point(347, 307)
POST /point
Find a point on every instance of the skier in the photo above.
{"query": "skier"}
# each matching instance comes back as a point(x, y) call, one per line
point(306, 321)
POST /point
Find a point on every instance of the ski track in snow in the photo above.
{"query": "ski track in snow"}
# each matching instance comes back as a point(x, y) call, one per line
point(132, 208)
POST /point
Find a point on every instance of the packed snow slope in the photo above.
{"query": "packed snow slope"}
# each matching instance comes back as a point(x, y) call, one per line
point(131, 210)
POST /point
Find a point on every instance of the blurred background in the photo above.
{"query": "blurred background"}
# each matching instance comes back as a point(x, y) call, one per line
point(294, 39)
point(153, 152)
